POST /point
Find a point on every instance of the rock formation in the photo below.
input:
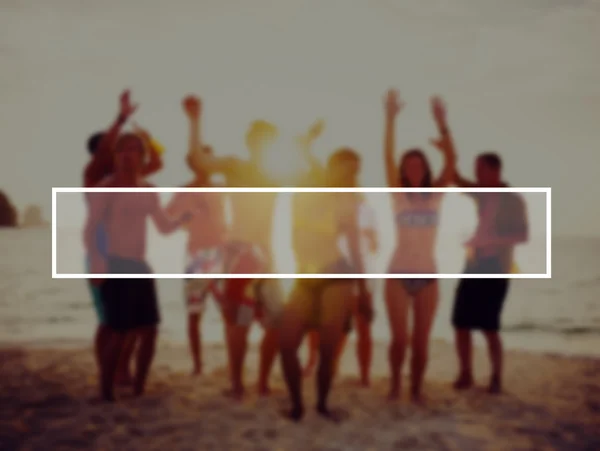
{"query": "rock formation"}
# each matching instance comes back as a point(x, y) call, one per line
point(8, 212)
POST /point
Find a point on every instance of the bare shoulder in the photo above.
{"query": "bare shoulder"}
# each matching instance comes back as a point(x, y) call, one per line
point(106, 182)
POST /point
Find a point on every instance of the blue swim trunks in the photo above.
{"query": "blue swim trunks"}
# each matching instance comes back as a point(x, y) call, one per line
point(96, 297)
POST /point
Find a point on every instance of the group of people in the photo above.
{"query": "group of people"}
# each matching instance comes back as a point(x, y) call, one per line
point(333, 233)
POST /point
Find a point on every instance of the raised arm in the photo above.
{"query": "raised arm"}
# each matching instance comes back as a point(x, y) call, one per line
point(393, 105)
point(154, 163)
point(198, 158)
point(443, 143)
point(101, 161)
point(306, 142)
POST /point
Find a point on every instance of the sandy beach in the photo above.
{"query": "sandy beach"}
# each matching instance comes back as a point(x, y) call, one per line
point(551, 402)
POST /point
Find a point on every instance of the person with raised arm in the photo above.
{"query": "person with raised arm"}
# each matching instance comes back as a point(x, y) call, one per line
point(129, 305)
point(369, 246)
point(249, 251)
point(478, 303)
point(101, 149)
point(206, 230)
point(323, 304)
point(417, 218)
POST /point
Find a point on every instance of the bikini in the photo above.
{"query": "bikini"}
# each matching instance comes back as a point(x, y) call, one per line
point(416, 216)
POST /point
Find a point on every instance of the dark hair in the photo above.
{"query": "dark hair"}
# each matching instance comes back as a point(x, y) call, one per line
point(342, 155)
point(491, 159)
point(93, 142)
point(425, 183)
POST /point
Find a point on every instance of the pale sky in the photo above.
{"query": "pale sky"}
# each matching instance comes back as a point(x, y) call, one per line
point(519, 77)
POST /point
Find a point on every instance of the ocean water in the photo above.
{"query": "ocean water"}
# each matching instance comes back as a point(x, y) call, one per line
point(560, 315)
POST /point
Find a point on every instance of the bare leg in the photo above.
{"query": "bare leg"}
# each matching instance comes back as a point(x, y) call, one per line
point(364, 349)
point(464, 351)
point(100, 342)
point(313, 353)
point(124, 366)
point(238, 336)
point(147, 336)
point(425, 306)
point(195, 337)
point(494, 343)
point(339, 352)
point(397, 302)
point(293, 328)
point(336, 307)
point(268, 353)
point(110, 360)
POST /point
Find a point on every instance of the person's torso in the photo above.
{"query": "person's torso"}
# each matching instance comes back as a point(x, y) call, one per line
point(417, 218)
point(207, 226)
point(252, 212)
point(493, 218)
point(125, 223)
point(316, 230)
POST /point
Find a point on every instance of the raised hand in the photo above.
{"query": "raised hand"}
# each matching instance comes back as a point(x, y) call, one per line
point(393, 103)
point(438, 109)
point(312, 134)
point(316, 129)
point(192, 106)
point(126, 107)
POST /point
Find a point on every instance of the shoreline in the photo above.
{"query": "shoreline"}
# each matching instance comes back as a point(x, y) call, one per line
point(551, 402)
point(478, 344)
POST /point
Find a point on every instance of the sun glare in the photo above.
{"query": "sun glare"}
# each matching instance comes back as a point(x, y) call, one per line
point(283, 162)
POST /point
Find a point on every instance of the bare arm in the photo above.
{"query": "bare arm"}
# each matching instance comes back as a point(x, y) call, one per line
point(393, 106)
point(306, 142)
point(101, 161)
point(351, 228)
point(199, 159)
point(349, 221)
point(98, 204)
point(164, 223)
point(444, 144)
point(462, 182)
point(154, 163)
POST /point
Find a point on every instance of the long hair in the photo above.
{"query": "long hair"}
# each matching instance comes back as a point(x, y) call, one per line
point(426, 181)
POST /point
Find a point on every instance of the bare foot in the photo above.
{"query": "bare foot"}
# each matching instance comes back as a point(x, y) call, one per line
point(463, 382)
point(394, 394)
point(138, 392)
point(101, 400)
point(123, 380)
point(335, 415)
point(495, 387)
point(418, 399)
point(235, 394)
point(294, 414)
point(264, 391)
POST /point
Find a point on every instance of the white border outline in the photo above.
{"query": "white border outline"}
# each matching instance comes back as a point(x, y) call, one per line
point(547, 191)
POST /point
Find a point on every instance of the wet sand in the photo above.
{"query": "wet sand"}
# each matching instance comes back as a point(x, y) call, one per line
point(551, 402)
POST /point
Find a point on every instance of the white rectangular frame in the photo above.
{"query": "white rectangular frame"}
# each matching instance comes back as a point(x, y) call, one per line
point(547, 275)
